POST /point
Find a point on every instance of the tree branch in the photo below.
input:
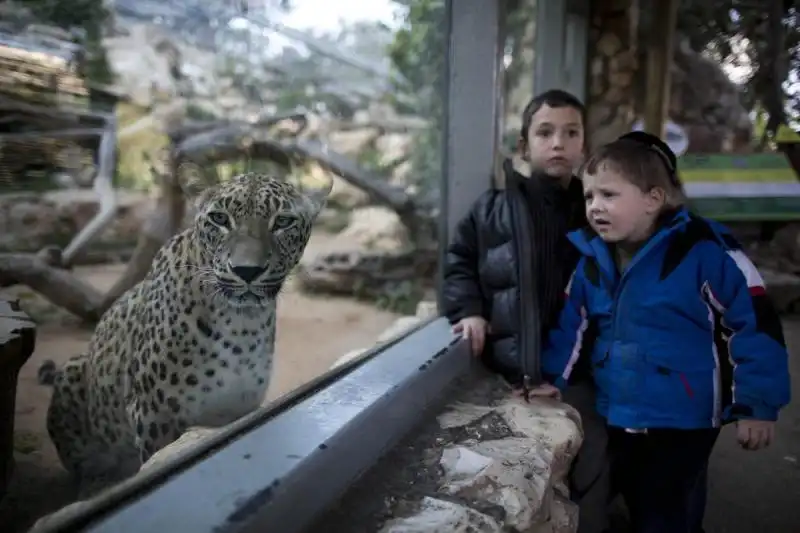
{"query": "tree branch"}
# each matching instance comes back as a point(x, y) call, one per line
point(59, 286)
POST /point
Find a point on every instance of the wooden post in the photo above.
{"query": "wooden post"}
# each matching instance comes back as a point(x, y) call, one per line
point(17, 341)
point(660, 34)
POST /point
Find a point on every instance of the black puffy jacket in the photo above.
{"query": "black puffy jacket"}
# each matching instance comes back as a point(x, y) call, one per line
point(493, 270)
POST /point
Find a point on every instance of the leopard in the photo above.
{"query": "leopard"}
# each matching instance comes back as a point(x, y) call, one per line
point(193, 343)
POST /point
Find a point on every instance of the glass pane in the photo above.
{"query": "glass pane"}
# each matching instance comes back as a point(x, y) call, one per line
point(519, 67)
point(311, 93)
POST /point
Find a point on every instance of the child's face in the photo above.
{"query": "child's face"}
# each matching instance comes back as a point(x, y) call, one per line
point(618, 210)
point(555, 140)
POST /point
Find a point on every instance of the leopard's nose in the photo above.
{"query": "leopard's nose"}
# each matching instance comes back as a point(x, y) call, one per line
point(247, 273)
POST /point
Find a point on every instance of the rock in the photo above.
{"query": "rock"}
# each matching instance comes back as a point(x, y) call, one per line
point(439, 516)
point(427, 309)
point(563, 517)
point(522, 474)
point(376, 228)
point(346, 196)
point(30, 222)
point(349, 356)
point(343, 195)
point(352, 142)
point(506, 470)
point(510, 473)
point(73, 509)
point(191, 438)
point(393, 146)
point(489, 462)
point(402, 173)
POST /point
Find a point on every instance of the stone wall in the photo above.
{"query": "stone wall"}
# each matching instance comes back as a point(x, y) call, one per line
point(613, 64)
point(703, 99)
point(488, 462)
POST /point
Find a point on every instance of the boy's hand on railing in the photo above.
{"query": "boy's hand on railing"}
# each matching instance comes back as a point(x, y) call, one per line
point(474, 329)
point(755, 434)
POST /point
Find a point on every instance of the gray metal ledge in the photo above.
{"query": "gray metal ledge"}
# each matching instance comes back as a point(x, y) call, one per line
point(280, 475)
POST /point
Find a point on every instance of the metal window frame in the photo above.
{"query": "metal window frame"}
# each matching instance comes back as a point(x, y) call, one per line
point(278, 468)
point(562, 40)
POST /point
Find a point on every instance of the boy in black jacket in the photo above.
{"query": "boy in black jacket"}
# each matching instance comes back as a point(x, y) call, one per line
point(509, 263)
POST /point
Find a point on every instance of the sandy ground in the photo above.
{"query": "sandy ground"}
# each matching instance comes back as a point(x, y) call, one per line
point(312, 334)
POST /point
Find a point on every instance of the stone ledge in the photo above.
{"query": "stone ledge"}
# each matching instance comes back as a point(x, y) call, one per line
point(489, 463)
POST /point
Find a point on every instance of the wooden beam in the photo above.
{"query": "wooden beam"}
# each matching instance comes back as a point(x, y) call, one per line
point(660, 36)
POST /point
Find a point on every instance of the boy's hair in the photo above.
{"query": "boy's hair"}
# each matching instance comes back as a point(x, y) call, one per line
point(644, 160)
point(553, 98)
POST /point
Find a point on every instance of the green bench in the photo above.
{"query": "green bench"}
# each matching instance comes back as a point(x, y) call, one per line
point(741, 188)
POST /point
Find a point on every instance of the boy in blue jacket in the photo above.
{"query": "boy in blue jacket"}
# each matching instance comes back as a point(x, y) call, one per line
point(678, 329)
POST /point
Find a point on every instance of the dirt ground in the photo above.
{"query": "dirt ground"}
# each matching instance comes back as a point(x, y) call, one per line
point(760, 491)
point(312, 334)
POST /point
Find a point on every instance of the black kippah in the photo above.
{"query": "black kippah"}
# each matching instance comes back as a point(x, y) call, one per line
point(655, 144)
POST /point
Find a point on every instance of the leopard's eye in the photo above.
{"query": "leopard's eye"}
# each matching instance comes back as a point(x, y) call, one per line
point(219, 218)
point(281, 222)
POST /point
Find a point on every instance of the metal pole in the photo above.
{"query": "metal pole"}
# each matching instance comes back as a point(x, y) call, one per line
point(472, 91)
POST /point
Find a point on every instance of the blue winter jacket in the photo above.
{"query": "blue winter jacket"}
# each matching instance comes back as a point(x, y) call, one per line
point(684, 338)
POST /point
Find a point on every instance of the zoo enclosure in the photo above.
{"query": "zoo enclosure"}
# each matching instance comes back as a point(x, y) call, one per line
point(280, 467)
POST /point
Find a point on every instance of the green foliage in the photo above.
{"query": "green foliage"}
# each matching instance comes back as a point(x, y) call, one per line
point(744, 35)
point(418, 51)
point(195, 112)
point(402, 297)
point(418, 55)
point(397, 297)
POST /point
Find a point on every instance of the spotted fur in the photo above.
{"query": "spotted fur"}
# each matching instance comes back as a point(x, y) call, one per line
point(190, 345)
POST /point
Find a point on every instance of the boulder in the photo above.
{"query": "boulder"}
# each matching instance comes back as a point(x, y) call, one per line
point(30, 222)
point(376, 228)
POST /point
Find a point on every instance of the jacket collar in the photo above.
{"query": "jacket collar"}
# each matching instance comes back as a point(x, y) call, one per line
point(590, 244)
point(519, 171)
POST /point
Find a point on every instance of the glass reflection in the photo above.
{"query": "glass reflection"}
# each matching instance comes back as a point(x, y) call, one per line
point(196, 93)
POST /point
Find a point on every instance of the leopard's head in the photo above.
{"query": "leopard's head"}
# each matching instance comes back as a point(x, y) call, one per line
point(253, 230)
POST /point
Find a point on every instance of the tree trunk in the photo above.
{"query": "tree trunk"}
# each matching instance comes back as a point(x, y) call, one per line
point(165, 221)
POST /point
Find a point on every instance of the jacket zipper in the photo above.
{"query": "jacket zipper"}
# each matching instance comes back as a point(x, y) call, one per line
point(530, 321)
point(621, 279)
